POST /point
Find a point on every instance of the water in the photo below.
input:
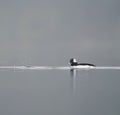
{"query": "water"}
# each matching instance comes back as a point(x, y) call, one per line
point(60, 91)
point(42, 33)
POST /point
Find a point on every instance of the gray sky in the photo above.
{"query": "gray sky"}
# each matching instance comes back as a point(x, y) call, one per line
point(49, 32)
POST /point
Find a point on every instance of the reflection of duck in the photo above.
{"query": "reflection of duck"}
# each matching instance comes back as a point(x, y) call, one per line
point(73, 62)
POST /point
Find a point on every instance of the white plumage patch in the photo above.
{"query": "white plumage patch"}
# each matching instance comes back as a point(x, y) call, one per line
point(74, 60)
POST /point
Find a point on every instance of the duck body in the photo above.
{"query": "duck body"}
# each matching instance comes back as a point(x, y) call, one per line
point(74, 63)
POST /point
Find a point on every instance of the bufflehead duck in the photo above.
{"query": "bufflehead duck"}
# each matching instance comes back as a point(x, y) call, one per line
point(73, 62)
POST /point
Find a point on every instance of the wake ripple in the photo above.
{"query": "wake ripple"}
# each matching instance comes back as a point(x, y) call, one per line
point(60, 67)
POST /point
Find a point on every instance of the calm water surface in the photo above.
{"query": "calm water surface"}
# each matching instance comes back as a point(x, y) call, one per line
point(59, 92)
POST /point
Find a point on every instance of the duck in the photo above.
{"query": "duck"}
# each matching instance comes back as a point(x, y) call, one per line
point(73, 62)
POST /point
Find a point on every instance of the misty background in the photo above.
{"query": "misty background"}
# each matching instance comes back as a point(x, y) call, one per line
point(50, 32)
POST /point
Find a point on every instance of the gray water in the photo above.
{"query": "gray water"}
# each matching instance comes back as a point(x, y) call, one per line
point(59, 92)
point(44, 33)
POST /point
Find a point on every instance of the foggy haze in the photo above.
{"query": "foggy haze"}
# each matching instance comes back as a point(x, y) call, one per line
point(49, 32)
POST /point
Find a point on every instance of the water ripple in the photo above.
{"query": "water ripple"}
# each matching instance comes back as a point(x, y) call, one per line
point(60, 67)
